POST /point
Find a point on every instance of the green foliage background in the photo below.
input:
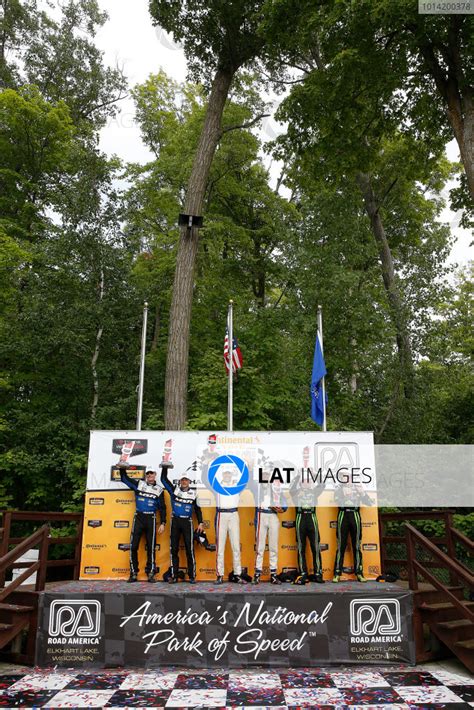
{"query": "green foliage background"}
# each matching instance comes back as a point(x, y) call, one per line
point(85, 239)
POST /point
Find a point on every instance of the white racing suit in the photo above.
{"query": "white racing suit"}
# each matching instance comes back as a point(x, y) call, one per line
point(267, 524)
point(227, 523)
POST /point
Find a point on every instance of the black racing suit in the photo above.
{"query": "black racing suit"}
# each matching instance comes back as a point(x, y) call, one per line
point(183, 504)
point(349, 522)
point(148, 499)
point(306, 524)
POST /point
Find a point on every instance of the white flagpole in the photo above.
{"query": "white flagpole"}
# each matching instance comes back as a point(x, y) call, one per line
point(323, 388)
point(142, 368)
point(230, 403)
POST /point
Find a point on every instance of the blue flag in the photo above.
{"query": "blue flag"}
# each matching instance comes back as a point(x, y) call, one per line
point(319, 371)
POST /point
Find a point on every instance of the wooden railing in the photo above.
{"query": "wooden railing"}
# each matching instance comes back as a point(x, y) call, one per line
point(415, 537)
point(391, 563)
point(41, 538)
point(12, 516)
point(461, 539)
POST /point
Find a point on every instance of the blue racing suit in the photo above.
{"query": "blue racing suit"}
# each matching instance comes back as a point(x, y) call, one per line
point(148, 499)
point(183, 504)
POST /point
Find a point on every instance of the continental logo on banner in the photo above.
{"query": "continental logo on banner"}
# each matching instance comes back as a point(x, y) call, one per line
point(288, 524)
point(136, 472)
point(91, 570)
point(124, 501)
point(96, 501)
point(370, 547)
point(238, 439)
point(369, 524)
point(140, 446)
point(121, 570)
point(94, 523)
point(289, 547)
point(95, 547)
point(121, 523)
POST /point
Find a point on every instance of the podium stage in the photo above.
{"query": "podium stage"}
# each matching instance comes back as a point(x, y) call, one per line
point(114, 624)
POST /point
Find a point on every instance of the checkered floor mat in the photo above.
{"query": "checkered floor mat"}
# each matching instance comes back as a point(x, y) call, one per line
point(399, 687)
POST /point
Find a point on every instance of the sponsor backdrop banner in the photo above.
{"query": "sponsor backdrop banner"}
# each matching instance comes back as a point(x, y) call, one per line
point(110, 506)
point(226, 629)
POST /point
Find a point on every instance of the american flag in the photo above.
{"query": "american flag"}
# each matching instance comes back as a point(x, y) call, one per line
point(237, 359)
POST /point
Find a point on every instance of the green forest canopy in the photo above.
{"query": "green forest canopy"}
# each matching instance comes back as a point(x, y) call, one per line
point(353, 225)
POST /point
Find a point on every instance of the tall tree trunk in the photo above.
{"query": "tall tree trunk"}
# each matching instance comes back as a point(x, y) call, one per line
point(389, 279)
point(95, 355)
point(353, 377)
point(176, 384)
point(259, 280)
point(456, 91)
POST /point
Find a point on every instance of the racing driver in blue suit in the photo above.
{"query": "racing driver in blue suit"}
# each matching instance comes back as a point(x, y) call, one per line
point(183, 505)
point(148, 499)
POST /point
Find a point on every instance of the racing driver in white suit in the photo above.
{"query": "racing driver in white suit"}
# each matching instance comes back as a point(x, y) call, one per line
point(227, 524)
point(269, 503)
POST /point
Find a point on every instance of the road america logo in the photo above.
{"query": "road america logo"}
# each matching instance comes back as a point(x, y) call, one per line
point(74, 622)
point(375, 621)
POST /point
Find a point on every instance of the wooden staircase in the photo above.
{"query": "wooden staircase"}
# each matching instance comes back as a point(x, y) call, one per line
point(18, 602)
point(442, 608)
point(16, 618)
point(19, 606)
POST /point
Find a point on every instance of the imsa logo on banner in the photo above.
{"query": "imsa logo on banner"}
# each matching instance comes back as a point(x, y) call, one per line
point(375, 621)
point(74, 621)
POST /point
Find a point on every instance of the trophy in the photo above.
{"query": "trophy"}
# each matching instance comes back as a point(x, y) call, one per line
point(166, 461)
point(275, 496)
point(305, 456)
point(211, 442)
point(127, 449)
